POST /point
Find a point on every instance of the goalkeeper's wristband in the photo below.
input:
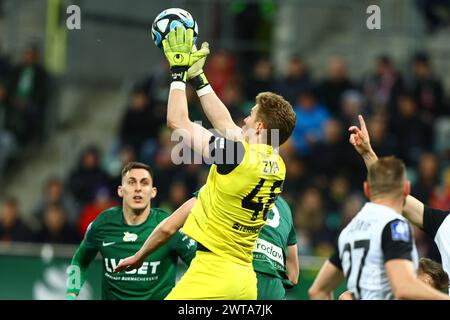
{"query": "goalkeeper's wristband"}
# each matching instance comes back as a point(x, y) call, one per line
point(179, 74)
point(180, 85)
point(201, 84)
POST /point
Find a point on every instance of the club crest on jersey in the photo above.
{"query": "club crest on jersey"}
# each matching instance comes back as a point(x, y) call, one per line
point(400, 231)
point(129, 237)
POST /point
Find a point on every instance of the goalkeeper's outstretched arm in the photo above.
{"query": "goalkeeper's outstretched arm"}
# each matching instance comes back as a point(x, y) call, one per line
point(167, 228)
point(160, 235)
point(220, 117)
point(216, 112)
point(177, 49)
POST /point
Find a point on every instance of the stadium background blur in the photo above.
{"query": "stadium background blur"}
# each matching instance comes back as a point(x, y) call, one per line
point(77, 104)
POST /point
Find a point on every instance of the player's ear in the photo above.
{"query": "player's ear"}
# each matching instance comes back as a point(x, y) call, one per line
point(153, 193)
point(260, 127)
point(120, 191)
point(366, 190)
point(426, 278)
point(407, 188)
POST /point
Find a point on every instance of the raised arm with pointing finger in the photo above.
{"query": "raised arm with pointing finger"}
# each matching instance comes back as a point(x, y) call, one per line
point(434, 222)
point(359, 138)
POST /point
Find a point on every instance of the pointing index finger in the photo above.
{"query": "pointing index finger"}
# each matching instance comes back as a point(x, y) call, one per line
point(362, 123)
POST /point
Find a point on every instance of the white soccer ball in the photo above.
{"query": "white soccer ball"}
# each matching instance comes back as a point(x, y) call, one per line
point(168, 20)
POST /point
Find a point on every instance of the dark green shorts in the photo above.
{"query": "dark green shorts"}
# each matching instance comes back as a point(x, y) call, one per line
point(269, 287)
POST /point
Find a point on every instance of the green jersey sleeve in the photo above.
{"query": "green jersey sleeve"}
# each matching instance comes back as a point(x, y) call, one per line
point(81, 260)
point(184, 246)
point(90, 237)
point(292, 237)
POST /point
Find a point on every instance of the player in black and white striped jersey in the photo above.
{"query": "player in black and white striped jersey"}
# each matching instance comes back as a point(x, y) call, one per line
point(434, 222)
point(376, 251)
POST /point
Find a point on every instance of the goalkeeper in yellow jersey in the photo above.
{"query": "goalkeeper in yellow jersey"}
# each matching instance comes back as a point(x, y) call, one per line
point(245, 178)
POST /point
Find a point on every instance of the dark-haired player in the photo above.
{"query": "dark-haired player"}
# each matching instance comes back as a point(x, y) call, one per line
point(119, 232)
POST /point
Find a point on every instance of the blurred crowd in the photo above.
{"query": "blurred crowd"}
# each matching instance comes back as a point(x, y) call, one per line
point(405, 113)
point(23, 106)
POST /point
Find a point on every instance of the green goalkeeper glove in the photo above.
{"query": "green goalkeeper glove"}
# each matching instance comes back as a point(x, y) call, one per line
point(177, 49)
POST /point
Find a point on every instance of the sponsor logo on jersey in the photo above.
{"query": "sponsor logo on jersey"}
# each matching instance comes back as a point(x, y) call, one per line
point(148, 267)
point(400, 231)
point(107, 244)
point(129, 237)
point(239, 227)
point(270, 250)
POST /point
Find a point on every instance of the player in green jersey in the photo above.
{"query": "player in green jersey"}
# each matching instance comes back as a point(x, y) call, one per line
point(119, 232)
point(275, 257)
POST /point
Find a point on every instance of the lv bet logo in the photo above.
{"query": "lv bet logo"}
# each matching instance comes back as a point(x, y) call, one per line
point(148, 267)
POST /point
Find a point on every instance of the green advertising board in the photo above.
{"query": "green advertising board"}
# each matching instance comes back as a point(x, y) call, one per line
point(36, 272)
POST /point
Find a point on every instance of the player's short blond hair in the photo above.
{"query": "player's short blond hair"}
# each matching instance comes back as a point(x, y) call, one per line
point(275, 113)
point(387, 177)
